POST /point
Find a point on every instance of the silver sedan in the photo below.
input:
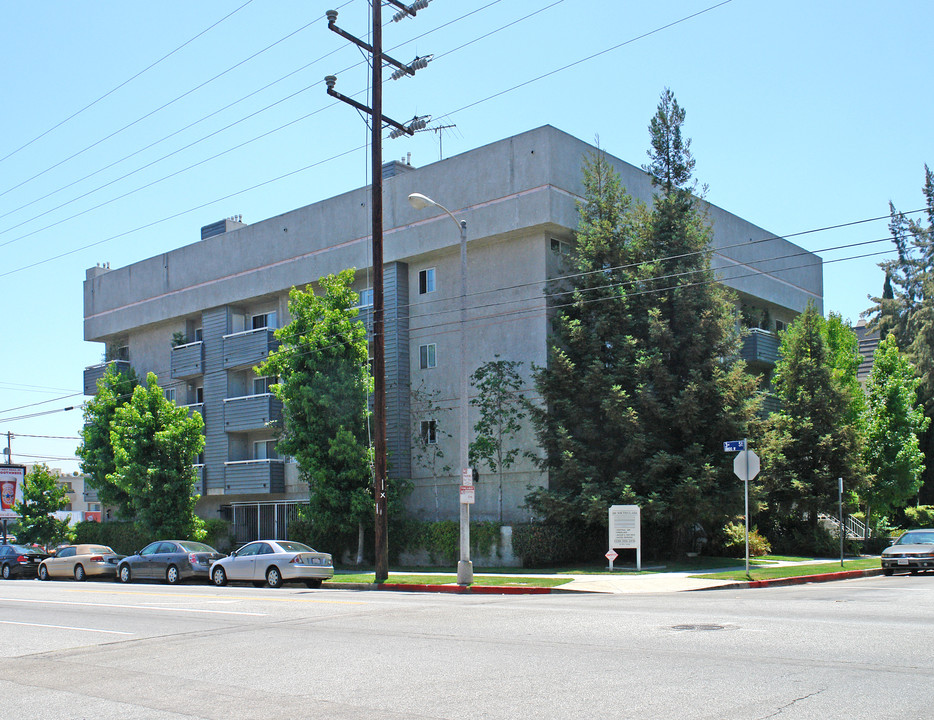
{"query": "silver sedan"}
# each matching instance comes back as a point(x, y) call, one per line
point(274, 562)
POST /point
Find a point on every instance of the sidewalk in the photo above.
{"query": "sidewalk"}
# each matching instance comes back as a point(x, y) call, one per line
point(620, 582)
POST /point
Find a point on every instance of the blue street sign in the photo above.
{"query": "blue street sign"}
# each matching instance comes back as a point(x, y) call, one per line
point(734, 445)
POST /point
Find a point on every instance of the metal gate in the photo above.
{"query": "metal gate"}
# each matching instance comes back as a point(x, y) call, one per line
point(260, 521)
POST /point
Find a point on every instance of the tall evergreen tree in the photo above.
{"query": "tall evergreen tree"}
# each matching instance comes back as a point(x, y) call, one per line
point(893, 420)
point(809, 442)
point(642, 385)
point(906, 309)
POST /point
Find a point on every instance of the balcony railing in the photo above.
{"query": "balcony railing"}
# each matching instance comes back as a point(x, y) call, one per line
point(187, 361)
point(251, 412)
point(254, 476)
point(198, 487)
point(760, 347)
point(248, 348)
point(194, 408)
point(95, 372)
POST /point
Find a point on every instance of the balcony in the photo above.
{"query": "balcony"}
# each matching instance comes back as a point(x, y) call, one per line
point(770, 404)
point(194, 408)
point(251, 412)
point(760, 347)
point(248, 348)
point(187, 361)
point(254, 476)
point(95, 372)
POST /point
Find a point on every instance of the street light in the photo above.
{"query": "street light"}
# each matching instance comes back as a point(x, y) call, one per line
point(464, 566)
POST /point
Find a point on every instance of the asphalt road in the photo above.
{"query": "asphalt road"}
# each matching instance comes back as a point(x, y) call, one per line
point(853, 649)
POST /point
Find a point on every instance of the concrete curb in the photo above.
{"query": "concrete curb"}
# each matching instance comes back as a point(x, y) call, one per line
point(797, 580)
point(450, 589)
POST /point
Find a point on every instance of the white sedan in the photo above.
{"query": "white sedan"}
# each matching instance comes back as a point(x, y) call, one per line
point(274, 562)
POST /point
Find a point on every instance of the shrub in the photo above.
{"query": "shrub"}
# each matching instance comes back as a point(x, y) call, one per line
point(217, 534)
point(124, 537)
point(733, 541)
point(540, 544)
point(920, 516)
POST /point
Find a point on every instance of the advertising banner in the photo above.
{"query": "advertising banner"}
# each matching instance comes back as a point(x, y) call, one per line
point(12, 478)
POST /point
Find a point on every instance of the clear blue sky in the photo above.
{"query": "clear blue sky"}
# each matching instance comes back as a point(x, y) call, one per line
point(802, 114)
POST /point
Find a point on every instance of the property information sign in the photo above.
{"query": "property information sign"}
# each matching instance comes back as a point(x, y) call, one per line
point(626, 531)
point(11, 489)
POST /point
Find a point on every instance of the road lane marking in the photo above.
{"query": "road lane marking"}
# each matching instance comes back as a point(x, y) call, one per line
point(218, 598)
point(64, 627)
point(131, 607)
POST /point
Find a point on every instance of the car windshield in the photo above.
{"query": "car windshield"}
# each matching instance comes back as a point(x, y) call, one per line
point(289, 546)
point(196, 547)
point(916, 538)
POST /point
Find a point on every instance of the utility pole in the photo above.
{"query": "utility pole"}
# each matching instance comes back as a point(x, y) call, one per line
point(376, 204)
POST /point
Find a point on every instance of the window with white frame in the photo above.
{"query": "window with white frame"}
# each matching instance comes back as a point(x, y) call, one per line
point(780, 326)
point(426, 281)
point(366, 298)
point(263, 320)
point(429, 432)
point(559, 247)
point(427, 356)
point(264, 450)
point(199, 334)
point(261, 384)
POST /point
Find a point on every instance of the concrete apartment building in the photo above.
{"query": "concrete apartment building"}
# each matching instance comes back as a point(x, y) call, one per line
point(226, 292)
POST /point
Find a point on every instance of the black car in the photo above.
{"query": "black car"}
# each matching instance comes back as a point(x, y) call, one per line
point(20, 561)
point(169, 560)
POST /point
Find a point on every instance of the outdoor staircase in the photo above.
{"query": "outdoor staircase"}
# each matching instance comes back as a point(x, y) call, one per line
point(855, 530)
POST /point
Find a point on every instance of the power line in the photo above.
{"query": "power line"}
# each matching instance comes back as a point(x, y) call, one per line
point(125, 82)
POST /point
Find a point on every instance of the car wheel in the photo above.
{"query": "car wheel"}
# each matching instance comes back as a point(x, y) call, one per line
point(7, 573)
point(219, 577)
point(171, 575)
point(274, 577)
point(887, 571)
point(43, 572)
point(80, 575)
point(124, 574)
point(313, 584)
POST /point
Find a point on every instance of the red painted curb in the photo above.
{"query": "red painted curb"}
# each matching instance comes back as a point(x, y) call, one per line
point(801, 579)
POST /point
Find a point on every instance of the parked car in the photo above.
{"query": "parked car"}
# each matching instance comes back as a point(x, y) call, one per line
point(80, 562)
point(171, 560)
point(913, 551)
point(275, 562)
point(20, 561)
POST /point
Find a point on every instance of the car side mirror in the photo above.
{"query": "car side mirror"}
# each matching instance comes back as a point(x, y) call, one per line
point(233, 553)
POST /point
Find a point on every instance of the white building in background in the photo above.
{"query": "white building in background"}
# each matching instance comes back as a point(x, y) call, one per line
point(222, 296)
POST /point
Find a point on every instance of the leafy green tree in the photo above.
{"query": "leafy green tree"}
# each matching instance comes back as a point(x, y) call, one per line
point(642, 384)
point(502, 407)
point(324, 380)
point(42, 496)
point(810, 441)
point(154, 444)
point(893, 421)
point(906, 309)
point(429, 433)
point(96, 451)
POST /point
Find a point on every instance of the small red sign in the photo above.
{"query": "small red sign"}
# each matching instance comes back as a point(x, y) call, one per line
point(612, 555)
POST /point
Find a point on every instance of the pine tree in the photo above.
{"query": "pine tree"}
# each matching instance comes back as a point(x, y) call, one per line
point(906, 309)
point(894, 420)
point(809, 442)
point(642, 385)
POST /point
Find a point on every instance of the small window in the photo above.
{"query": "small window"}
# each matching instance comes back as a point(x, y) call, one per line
point(264, 450)
point(366, 298)
point(780, 326)
point(426, 281)
point(264, 320)
point(169, 394)
point(199, 395)
point(429, 432)
point(199, 334)
point(261, 384)
point(427, 356)
point(559, 247)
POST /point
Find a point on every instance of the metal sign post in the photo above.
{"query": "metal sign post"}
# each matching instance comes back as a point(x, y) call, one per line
point(745, 467)
point(842, 529)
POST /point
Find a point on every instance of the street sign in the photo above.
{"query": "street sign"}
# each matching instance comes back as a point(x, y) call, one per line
point(746, 465)
point(466, 476)
point(612, 555)
point(468, 494)
point(734, 445)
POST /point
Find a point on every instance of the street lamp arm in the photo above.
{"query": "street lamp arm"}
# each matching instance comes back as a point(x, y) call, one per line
point(420, 202)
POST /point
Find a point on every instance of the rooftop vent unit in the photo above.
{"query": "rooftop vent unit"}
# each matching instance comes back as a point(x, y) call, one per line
point(222, 226)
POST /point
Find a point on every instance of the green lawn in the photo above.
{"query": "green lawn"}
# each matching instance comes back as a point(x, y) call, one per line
point(784, 571)
point(451, 579)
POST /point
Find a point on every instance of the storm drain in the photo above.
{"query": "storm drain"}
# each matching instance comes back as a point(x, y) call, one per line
point(698, 628)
